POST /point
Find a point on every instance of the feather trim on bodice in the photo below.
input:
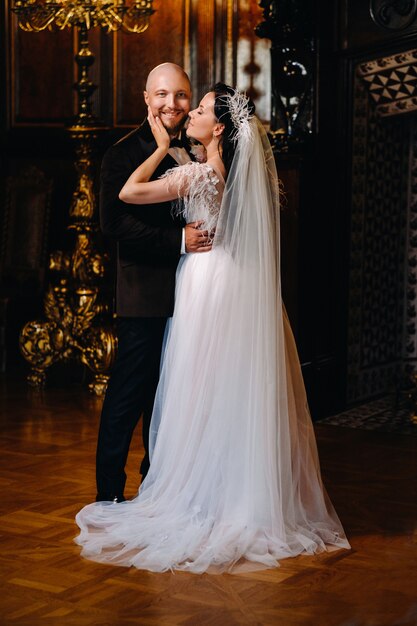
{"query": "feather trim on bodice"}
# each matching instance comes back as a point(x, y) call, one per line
point(201, 192)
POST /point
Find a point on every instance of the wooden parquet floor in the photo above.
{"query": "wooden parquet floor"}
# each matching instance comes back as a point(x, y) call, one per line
point(47, 451)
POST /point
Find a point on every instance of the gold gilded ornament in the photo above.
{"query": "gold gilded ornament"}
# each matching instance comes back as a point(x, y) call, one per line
point(78, 324)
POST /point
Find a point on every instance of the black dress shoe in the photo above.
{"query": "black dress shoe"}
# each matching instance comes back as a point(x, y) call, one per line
point(110, 498)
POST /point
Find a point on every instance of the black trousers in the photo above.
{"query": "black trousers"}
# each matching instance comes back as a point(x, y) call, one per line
point(130, 393)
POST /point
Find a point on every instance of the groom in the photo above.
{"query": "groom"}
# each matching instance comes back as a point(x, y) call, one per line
point(149, 244)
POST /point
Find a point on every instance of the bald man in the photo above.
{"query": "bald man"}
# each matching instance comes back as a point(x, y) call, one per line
point(149, 244)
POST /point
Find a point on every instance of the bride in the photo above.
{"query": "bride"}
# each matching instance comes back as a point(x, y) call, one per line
point(234, 481)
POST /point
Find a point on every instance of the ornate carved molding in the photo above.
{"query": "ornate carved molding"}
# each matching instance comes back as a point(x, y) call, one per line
point(393, 14)
point(392, 82)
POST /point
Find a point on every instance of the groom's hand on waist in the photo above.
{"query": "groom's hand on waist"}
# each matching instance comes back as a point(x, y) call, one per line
point(196, 240)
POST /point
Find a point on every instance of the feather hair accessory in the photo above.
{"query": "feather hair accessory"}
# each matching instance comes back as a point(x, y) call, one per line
point(238, 105)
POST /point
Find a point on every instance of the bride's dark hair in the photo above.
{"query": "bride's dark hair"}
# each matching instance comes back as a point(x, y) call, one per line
point(227, 143)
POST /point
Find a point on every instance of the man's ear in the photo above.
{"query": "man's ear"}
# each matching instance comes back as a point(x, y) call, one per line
point(218, 130)
point(146, 97)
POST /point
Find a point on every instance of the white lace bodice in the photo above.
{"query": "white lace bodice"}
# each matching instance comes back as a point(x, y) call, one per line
point(201, 192)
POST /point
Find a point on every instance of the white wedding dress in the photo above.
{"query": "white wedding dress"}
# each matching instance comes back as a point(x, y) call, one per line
point(234, 482)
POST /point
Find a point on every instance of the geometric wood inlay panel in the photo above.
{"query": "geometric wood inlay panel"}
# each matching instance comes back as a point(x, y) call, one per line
point(392, 82)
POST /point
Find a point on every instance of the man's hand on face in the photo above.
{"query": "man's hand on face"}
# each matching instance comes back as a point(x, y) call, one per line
point(197, 240)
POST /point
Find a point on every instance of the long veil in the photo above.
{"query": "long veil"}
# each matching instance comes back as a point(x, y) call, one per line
point(259, 377)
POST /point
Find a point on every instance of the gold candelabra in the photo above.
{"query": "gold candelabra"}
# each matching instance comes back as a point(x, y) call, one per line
point(36, 15)
point(78, 322)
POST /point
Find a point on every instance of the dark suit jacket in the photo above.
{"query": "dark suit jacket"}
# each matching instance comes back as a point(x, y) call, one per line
point(148, 238)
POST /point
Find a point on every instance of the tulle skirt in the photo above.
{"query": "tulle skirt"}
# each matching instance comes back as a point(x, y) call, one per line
point(234, 482)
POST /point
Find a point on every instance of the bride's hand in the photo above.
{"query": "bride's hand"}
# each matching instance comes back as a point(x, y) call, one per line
point(158, 130)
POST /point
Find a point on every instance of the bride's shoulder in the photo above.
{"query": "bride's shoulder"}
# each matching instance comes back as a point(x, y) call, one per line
point(194, 170)
point(193, 179)
point(197, 167)
point(206, 170)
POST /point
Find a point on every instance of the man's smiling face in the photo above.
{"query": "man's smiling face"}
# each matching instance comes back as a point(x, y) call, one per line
point(168, 94)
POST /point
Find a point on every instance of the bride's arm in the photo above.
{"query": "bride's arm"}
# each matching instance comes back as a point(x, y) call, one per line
point(137, 189)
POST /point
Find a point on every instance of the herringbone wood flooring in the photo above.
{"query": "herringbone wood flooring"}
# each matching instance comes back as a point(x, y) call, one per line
point(47, 474)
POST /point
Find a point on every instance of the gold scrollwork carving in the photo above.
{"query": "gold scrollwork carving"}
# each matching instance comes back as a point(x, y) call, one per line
point(78, 320)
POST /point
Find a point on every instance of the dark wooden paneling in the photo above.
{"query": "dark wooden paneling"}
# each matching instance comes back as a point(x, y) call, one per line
point(42, 77)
